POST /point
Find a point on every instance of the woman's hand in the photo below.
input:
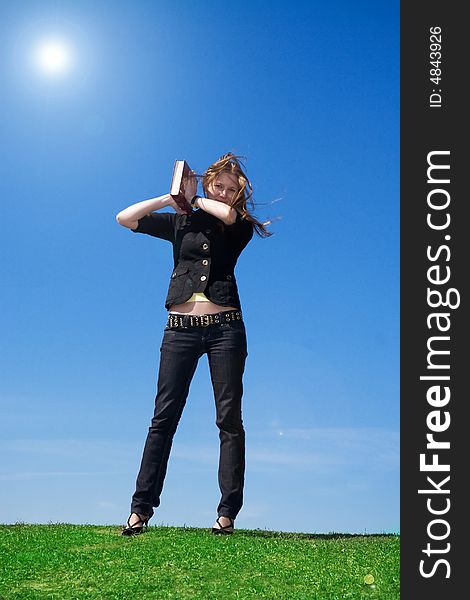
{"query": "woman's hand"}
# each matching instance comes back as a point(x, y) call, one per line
point(190, 186)
point(174, 205)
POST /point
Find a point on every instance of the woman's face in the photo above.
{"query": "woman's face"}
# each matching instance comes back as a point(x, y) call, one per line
point(224, 188)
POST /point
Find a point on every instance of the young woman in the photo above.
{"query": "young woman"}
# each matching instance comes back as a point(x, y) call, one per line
point(204, 317)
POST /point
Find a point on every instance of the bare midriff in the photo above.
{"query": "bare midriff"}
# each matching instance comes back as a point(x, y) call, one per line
point(199, 308)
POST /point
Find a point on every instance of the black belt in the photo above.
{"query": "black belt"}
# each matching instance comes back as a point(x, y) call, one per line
point(175, 320)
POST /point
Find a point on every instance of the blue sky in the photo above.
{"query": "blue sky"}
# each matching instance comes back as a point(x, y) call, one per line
point(309, 93)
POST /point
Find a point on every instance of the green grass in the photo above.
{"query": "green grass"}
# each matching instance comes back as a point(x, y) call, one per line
point(82, 562)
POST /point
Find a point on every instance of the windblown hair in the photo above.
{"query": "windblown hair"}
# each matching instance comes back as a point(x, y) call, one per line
point(232, 164)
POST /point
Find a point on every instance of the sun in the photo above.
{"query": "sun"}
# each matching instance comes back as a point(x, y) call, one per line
point(53, 57)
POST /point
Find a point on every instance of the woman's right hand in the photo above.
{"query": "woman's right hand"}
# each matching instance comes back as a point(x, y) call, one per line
point(175, 206)
point(178, 207)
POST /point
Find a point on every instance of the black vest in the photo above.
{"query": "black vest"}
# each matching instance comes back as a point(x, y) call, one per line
point(205, 252)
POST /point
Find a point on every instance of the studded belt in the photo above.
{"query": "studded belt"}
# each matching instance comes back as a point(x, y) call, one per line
point(175, 320)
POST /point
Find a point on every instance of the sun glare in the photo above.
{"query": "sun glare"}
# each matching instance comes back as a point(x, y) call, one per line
point(53, 57)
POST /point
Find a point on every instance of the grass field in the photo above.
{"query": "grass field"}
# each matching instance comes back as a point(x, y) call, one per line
point(82, 562)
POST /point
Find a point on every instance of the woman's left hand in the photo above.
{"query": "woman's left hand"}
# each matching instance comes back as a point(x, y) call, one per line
point(190, 186)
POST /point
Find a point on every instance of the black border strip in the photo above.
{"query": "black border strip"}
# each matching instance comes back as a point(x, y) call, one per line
point(433, 130)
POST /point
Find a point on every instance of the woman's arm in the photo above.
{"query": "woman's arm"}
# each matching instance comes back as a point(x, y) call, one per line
point(222, 211)
point(130, 216)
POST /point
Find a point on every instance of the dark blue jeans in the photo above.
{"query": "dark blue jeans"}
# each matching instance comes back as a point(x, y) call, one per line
point(180, 351)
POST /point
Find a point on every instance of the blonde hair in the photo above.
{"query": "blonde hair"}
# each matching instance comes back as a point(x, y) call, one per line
point(231, 164)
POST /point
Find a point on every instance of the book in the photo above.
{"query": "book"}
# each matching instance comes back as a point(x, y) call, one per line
point(181, 171)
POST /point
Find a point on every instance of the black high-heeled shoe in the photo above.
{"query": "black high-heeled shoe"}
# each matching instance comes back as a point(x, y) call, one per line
point(224, 529)
point(137, 527)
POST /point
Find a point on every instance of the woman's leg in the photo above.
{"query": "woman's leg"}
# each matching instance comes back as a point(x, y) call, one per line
point(227, 354)
point(180, 352)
